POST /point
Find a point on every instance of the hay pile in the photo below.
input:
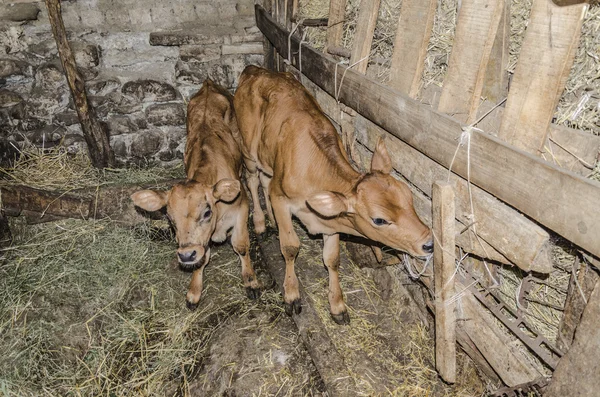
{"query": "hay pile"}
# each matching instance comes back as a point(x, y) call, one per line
point(387, 348)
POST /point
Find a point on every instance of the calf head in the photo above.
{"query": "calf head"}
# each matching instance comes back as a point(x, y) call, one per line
point(380, 207)
point(192, 211)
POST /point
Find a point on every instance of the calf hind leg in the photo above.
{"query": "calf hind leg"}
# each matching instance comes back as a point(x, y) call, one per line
point(331, 259)
point(265, 181)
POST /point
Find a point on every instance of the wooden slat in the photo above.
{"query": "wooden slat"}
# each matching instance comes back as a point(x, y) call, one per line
point(562, 201)
point(543, 67)
point(578, 370)
point(410, 45)
point(363, 36)
point(475, 35)
point(444, 264)
point(495, 82)
point(335, 26)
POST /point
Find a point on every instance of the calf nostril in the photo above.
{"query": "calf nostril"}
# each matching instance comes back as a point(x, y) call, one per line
point(187, 256)
point(193, 254)
point(428, 247)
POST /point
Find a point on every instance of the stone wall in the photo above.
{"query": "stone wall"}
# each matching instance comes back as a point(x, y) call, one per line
point(141, 59)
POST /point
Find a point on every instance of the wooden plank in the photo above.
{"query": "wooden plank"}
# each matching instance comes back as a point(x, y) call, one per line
point(476, 29)
point(363, 36)
point(577, 371)
point(544, 64)
point(495, 82)
point(410, 45)
point(568, 205)
point(335, 25)
point(19, 197)
point(444, 265)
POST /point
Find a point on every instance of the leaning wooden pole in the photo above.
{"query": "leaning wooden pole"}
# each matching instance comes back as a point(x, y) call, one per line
point(96, 137)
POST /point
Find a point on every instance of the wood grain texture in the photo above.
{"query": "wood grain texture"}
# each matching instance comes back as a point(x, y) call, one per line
point(410, 45)
point(560, 200)
point(444, 265)
point(363, 36)
point(335, 26)
point(542, 70)
point(495, 82)
point(476, 29)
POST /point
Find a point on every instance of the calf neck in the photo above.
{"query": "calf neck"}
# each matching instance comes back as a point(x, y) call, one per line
point(291, 148)
point(210, 204)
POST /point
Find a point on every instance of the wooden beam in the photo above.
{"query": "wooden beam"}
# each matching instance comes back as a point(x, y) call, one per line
point(495, 82)
point(363, 36)
point(568, 205)
point(577, 371)
point(335, 26)
point(542, 70)
point(476, 29)
point(444, 266)
point(410, 45)
point(96, 136)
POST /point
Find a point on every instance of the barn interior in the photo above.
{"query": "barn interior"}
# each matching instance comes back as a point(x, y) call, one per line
point(490, 113)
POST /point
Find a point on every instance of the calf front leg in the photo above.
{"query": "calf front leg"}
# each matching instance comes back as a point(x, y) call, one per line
point(331, 259)
point(194, 293)
point(258, 217)
point(290, 244)
point(241, 245)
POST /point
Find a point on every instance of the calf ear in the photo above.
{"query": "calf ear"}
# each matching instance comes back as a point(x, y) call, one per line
point(381, 159)
point(226, 190)
point(329, 204)
point(150, 200)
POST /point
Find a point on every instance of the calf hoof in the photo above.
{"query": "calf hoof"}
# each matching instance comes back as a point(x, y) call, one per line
point(190, 305)
point(294, 307)
point(253, 293)
point(341, 319)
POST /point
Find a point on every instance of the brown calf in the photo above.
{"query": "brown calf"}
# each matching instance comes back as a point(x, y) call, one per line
point(211, 202)
point(296, 152)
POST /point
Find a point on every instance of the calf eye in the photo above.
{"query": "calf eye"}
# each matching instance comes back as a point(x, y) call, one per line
point(207, 214)
point(380, 222)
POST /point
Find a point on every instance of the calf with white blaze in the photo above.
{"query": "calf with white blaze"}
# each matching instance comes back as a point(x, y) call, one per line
point(295, 151)
point(210, 204)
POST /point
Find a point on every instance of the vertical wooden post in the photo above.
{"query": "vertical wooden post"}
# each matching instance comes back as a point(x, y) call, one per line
point(410, 45)
point(363, 37)
point(96, 137)
point(545, 61)
point(443, 275)
point(495, 83)
point(335, 24)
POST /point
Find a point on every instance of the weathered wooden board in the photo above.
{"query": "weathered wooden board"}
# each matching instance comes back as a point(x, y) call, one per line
point(542, 70)
point(476, 29)
point(577, 371)
point(363, 37)
point(444, 266)
point(335, 25)
point(495, 82)
point(562, 201)
point(410, 45)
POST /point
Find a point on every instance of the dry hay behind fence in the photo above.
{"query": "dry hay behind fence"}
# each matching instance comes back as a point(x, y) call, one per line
point(579, 105)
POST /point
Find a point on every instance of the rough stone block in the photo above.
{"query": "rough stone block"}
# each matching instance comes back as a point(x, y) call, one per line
point(9, 99)
point(149, 91)
point(66, 118)
point(119, 124)
point(86, 55)
point(50, 77)
point(47, 136)
point(102, 87)
point(199, 53)
point(225, 71)
point(119, 146)
point(246, 38)
point(243, 48)
point(185, 38)
point(74, 143)
point(146, 144)
point(166, 114)
point(19, 12)
point(11, 67)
